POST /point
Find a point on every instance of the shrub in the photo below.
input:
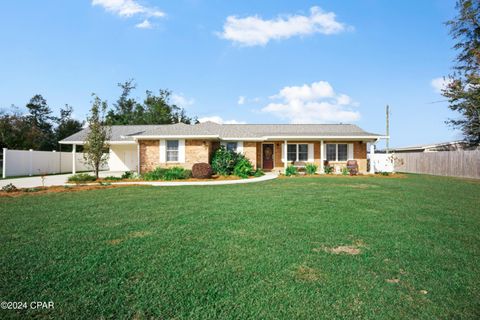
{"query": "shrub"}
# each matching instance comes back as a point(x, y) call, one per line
point(243, 168)
point(291, 171)
point(9, 188)
point(311, 168)
point(81, 177)
point(223, 161)
point(31, 189)
point(345, 171)
point(112, 178)
point(176, 173)
point(156, 174)
point(128, 175)
point(328, 169)
point(201, 170)
point(258, 173)
point(385, 173)
point(173, 173)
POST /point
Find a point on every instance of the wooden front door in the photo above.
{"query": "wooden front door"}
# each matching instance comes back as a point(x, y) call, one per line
point(267, 156)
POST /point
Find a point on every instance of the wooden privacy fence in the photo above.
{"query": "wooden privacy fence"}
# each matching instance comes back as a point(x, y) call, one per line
point(461, 163)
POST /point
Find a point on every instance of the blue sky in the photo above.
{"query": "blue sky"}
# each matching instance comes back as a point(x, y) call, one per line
point(240, 61)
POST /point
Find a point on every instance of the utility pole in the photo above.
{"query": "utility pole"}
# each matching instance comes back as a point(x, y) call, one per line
point(387, 110)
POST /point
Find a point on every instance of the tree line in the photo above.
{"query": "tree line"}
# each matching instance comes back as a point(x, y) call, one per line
point(39, 129)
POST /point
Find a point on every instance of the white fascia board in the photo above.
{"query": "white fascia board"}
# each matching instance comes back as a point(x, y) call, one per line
point(241, 139)
point(108, 142)
point(324, 137)
point(213, 136)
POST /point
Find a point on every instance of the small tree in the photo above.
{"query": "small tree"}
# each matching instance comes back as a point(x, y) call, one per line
point(97, 137)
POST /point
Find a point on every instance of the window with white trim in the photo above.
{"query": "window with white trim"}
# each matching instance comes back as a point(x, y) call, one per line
point(297, 152)
point(337, 151)
point(172, 150)
point(232, 146)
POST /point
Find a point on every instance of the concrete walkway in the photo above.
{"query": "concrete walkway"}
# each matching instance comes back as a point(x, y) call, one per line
point(61, 179)
point(51, 180)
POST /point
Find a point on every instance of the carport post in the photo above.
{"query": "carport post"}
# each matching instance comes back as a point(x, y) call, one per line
point(285, 160)
point(74, 150)
point(322, 169)
point(372, 160)
point(4, 163)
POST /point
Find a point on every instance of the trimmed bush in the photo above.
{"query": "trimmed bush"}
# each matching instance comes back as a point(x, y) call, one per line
point(328, 169)
point(243, 168)
point(258, 173)
point(201, 170)
point(127, 175)
point(81, 177)
point(291, 171)
point(112, 178)
point(223, 161)
point(173, 173)
point(311, 168)
point(9, 188)
point(176, 173)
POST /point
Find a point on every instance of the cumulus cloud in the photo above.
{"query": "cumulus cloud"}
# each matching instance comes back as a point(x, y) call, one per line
point(145, 24)
point(253, 30)
point(312, 103)
point(129, 9)
point(440, 83)
point(182, 101)
point(241, 100)
point(219, 120)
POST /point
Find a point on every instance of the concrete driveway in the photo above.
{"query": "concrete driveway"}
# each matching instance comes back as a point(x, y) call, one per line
point(52, 180)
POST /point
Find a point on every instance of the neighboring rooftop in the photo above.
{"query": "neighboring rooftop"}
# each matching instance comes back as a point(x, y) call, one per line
point(441, 146)
point(229, 131)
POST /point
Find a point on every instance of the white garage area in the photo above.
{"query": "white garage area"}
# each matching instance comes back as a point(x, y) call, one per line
point(123, 157)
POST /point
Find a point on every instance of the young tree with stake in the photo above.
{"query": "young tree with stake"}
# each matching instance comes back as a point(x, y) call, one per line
point(97, 137)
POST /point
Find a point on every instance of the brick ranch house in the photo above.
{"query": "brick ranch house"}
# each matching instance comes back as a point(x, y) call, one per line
point(142, 148)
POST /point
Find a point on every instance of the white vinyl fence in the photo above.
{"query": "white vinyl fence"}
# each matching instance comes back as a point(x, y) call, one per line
point(31, 163)
point(382, 162)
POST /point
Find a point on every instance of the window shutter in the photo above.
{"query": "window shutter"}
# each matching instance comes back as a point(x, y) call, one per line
point(181, 150)
point(310, 153)
point(283, 152)
point(163, 152)
point(350, 151)
point(240, 146)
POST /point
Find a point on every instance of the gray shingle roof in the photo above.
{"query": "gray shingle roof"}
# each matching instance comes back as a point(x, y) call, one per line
point(225, 131)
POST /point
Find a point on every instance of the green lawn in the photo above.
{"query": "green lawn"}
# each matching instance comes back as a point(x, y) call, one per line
point(259, 250)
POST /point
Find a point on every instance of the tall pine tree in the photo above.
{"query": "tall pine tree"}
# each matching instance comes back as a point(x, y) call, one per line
point(463, 90)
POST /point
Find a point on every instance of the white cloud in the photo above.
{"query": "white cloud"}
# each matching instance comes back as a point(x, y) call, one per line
point(312, 103)
point(241, 100)
point(182, 101)
point(440, 83)
point(219, 120)
point(253, 30)
point(129, 9)
point(144, 25)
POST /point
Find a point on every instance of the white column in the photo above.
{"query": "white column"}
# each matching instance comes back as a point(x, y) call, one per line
point(4, 164)
point(372, 154)
point(138, 157)
point(322, 169)
point(285, 161)
point(74, 150)
point(31, 162)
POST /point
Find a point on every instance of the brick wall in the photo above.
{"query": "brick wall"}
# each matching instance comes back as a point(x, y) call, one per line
point(250, 151)
point(149, 155)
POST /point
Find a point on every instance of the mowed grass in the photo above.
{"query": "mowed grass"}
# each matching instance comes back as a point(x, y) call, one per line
point(260, 251)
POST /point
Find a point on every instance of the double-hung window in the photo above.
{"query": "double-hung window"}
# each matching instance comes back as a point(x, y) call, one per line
point(297, 152)
point(172, 150)
point(337, 151)
point(232, 146)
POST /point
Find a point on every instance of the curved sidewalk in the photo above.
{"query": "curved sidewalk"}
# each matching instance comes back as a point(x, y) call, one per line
point(266, 177)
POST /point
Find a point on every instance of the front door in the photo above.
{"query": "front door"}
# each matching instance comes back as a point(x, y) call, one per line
point(267, 154)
